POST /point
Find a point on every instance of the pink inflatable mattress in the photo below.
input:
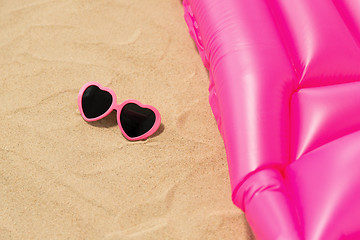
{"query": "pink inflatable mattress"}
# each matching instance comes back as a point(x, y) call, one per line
point(285, 91)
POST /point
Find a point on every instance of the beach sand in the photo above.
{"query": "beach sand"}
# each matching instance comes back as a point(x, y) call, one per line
point(63, 178)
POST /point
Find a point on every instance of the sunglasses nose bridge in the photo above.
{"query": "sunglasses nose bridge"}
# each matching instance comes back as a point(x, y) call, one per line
point(118, 107)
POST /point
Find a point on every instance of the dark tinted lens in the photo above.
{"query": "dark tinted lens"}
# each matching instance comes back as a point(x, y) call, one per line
point(136, 120)
point(95, 101)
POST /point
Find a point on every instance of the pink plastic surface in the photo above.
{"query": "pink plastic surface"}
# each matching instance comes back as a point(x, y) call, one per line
point(285, 91)
point(118, 108)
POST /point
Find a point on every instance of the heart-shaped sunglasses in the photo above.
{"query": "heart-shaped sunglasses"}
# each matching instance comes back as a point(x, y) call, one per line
point(136, 121)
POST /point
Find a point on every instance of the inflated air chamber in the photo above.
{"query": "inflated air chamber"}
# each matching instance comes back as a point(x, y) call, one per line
point(285, 92)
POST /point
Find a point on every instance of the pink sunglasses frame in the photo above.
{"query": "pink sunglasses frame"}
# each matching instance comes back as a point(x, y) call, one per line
point(118, 108)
